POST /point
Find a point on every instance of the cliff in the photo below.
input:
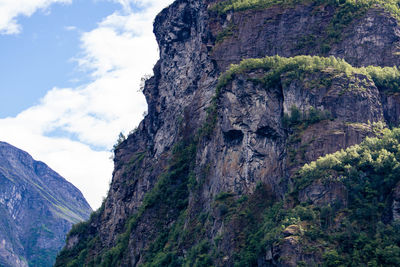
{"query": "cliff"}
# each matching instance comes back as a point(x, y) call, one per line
point(38, 208)
point(221, 150)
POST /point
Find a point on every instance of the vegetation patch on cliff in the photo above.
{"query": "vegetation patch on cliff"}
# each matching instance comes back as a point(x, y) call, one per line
point(241, 5)
point(169, 195)
point(355, 228)
point(385, 78)
point(358, 230)
point(346, 12)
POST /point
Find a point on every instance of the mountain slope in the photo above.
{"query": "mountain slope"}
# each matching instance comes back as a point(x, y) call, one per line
point(343, 212)
point(38, 208)
point(221, 146)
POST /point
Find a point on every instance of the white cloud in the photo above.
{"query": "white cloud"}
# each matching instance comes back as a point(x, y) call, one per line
point(87, 169)
point(73, 129)
point(70, 28)
point(11, 9)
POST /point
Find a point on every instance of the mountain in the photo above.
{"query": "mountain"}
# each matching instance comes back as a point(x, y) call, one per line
point(38, 208)
point(270, 140)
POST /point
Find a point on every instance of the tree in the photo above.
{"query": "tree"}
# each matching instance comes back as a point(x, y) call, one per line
point(121, 138)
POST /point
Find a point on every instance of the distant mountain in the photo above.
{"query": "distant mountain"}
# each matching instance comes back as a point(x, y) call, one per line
point(37, 209)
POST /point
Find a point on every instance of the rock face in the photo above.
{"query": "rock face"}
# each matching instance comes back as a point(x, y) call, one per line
point(206, 145)
point(38, 208)
point(302, 29)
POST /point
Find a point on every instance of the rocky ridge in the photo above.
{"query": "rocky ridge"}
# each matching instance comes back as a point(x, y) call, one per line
point(38, 208)
point(219, 141)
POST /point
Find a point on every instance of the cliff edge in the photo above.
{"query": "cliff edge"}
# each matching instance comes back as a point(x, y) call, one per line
point(215, 174)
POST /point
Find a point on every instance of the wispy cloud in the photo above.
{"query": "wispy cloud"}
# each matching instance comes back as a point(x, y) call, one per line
point(11, 9)
point(73, 129)
point(70, 28)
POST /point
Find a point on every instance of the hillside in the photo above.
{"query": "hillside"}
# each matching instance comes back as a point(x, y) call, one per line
point(225, 170)
point(38, 208)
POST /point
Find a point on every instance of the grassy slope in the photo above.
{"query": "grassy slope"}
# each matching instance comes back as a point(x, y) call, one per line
point(386, 77)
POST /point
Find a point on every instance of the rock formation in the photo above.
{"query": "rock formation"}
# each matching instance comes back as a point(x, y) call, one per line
point(38, 208)
point(222, 145)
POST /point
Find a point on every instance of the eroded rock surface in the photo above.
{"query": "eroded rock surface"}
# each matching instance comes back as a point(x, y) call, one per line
point(37, 207)
point(248, 143)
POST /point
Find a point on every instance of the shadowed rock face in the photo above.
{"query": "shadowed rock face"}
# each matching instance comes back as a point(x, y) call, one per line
point(38, 208)
point(252, 114)
point(249, 142)
point(301, 30)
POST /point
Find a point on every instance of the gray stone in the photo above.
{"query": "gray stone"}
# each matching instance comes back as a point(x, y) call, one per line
point(37, 207)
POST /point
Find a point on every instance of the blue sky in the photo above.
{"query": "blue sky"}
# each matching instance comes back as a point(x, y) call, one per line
point(69, 77)
point(41, 56)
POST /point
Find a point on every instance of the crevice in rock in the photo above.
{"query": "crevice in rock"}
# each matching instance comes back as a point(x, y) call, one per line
point(267, 132)
point(233, 137)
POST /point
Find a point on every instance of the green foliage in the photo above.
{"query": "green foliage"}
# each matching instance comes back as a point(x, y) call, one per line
point(207, 128)
point(77, 255)
point(225, 33)
point(387, 78)
point(223, 195)
point(306, 41)
point(391, 6)
point(171, 190)
point(315, 115)
point(358, 234)
point(275, 66)
point(260, 236)
point(134, 167)
point(346, 11)
point(312, 116)
point(295, 115)
point(332, 259)
point(241, 5)
point(368, 171)
point(378, 156)
point(199, 255)
point(120, 140)
point(37, 255)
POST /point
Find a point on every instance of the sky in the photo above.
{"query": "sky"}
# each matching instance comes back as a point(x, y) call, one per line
point(70, 74)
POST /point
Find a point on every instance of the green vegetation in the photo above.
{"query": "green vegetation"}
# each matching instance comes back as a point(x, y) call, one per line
point(346, 11)
point(225, 33)
point(169, 197)
point(133, 167)
point(386, 78)
point(241, 5)
point(171, 190)
point(378, 156)
point(296, 122)
point(309, 117)
point(76, 256)
point(37, 255)
point(121, 138)
point(41, 257)
point(368, 171)
point(358, 233)
point(306, 41)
